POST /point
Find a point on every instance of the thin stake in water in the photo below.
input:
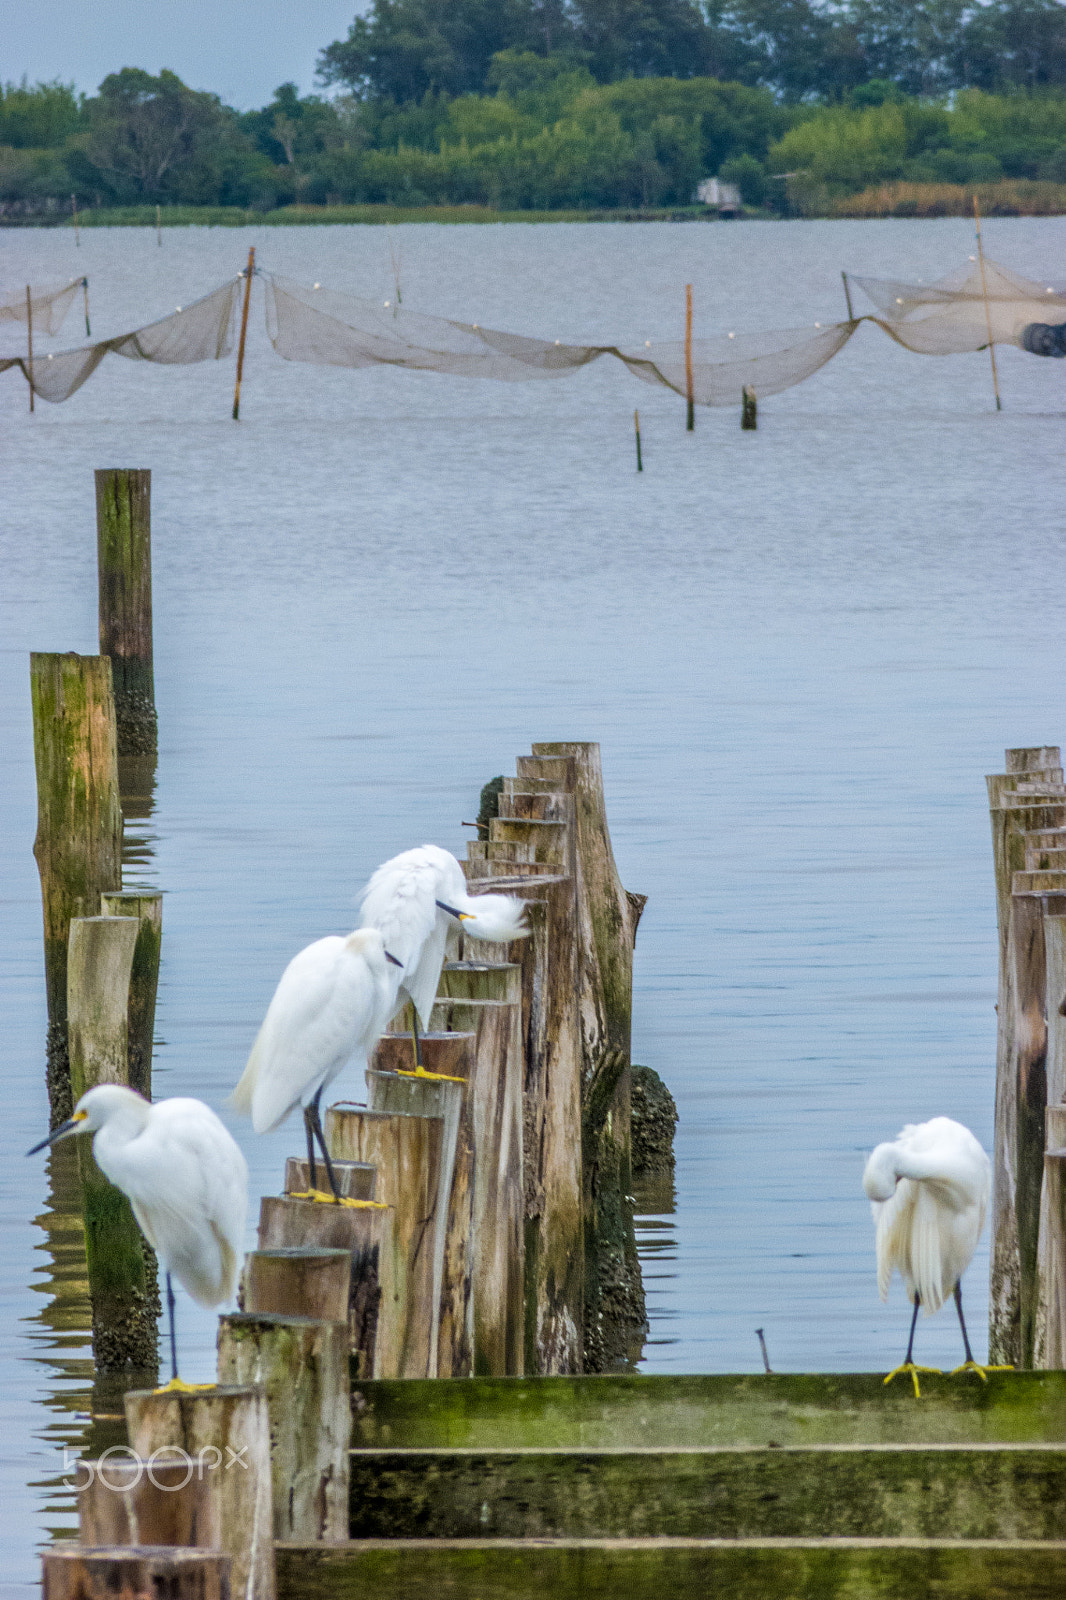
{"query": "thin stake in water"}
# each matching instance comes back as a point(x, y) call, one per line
point(847, 296)
point(396, 259)
point(762, 1347)
point(691, 417)
point(29, 341)
point(85, 293)
point(636, 425)
point(248, 273)
point(988, 314)
point(74, 209)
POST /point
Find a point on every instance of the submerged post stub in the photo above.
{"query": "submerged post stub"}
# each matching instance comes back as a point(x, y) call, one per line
point(78, 847)
point(749, 409)
point(124, 557)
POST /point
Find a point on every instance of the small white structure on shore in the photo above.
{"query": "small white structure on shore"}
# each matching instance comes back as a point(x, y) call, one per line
point(724, 197)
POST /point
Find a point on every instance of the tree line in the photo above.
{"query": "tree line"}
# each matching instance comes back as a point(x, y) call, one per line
point(549, 104)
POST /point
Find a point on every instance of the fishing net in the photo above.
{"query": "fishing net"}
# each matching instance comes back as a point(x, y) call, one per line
point(322, 326)
point(48, 306)
point(202, 331)
point(968, 310)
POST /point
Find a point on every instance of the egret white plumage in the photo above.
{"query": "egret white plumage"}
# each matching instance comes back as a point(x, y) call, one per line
point(419, 901)
point(332, 1002)
point(185, 1178)
point(929, 1190)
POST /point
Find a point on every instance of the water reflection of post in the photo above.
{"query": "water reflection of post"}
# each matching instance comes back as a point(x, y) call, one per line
point(84, 1417)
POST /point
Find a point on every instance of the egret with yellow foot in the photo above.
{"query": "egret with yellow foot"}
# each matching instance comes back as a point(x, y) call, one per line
point(186, 1180)
point(929, 1190)
point(331, 1003)
point(419, 902)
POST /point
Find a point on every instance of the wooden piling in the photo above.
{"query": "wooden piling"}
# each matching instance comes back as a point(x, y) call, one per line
point(452, 1340)
point(487, 1000)
point(288, 1223)
point(121, 1282)
point(407, 1153)
point(749, 410)
point(1054, 1239)
point(29, 343)
point(124, 1501)
point(229, 1430)
point(124, 567)
point(636, 429)
point(73, 1572)
point(302, 1364)
point(690, 396)
point(551, 1119)
point(847, 296)
point(356, 1180)
point(988, 313)
point(146, 906)
point(248, 273)
point(303, 1282)
point(79, 823)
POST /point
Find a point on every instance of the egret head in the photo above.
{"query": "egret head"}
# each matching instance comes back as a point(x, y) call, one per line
point(102, 1104)
point(882, 1173)
point(499, 917)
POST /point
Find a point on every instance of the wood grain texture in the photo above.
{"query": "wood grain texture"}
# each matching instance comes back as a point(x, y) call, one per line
point(146, 908)
point(72, 1572)
point(307, 1282)
point(124, 565)
point(407, 1153)
point(228, 1429)
point(288, 1223)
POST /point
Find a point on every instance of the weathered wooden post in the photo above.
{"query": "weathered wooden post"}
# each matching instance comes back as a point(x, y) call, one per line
point(132, 1502)
point(79, 823)
point(690, 394)
point(146, 906)
point(487, 1000)
point(1021, 800)
point(123, 1301)
point(407, 1152)
point(75, 1572)
point(225, 1433)
point(451, 1352)
point(551, 1143)
point(356, 1180)
point(749, 410)
point(302, 1364)
point(289, 1223)
point(607, 919)
point(303, 1282)
point(1054, 1240)
point(124, 557)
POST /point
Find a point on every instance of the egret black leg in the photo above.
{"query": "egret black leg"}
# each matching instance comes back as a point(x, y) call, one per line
point(309, 1129)
point(909, 1357)
point(316, 1123)
point(962, 1322)
point(173, 1339)
point(416, 1037)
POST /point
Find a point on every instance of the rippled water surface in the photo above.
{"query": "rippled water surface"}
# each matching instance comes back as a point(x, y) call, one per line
point(800, 649)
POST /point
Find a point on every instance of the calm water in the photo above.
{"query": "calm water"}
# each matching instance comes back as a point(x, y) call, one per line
point(800, 649)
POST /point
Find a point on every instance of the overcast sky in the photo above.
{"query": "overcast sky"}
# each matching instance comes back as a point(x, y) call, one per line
point(240, 49)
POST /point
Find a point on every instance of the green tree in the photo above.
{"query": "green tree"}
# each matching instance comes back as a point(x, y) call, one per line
point(39, 118)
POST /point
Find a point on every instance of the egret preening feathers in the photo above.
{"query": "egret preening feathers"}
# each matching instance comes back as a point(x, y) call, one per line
point(185, 1178)
point(929, 1190)
point(419, 901)
point(332, 1002)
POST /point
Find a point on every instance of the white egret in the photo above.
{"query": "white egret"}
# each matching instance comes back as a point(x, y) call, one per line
point(186, 1180)
point(419, 901)
point(929, 1190)
point(332, 1002)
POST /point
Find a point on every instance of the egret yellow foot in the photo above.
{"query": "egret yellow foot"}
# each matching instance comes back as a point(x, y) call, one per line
point(908, 1366)
point(325, 1199)
point(179, 1386)
point(428, 1077)
point(982, 1372)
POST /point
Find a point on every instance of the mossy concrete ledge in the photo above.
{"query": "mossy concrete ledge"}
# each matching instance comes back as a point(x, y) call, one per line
point(666, 1412)
point(830, 1491)
point(668, 1569)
